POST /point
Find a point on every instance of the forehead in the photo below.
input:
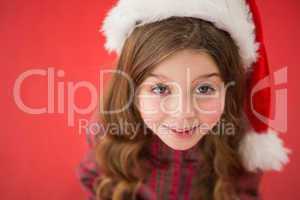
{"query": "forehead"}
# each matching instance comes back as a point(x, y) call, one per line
point(186, 64)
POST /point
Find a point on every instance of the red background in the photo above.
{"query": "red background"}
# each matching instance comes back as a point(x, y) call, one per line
point(39, 153)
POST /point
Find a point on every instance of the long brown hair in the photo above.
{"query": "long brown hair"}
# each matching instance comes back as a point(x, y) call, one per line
point(120, 154)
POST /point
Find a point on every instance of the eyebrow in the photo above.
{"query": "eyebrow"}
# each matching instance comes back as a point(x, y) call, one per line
point(198, 77)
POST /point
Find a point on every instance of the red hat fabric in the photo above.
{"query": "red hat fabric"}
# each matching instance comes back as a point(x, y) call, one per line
point(260, 70)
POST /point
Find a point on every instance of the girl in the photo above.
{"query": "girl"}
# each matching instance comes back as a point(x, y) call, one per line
point(172, 124)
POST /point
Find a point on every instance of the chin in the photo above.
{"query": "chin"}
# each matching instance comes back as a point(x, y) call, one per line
point(178, 143)
point(180, 146)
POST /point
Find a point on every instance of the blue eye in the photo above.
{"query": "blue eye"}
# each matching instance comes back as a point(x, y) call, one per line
point(160, 89)
point(205, 90)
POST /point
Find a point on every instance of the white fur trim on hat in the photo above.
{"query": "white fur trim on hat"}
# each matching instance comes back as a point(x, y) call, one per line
point(264, 151)
point(232, 16)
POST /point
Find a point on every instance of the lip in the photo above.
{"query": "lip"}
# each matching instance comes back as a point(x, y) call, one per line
point(184, 132)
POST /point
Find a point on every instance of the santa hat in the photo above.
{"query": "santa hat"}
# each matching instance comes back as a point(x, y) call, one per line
point(261, 148)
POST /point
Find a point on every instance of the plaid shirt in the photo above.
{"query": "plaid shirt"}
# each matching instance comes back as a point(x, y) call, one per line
point(168, 182)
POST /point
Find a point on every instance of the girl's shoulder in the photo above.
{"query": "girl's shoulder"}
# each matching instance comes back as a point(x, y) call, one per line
point(87, 173)
point(248, 185)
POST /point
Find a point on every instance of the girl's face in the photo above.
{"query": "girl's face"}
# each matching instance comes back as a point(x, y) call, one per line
point(182, 98)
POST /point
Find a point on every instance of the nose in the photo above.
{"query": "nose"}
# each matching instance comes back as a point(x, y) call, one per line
point(185, 108)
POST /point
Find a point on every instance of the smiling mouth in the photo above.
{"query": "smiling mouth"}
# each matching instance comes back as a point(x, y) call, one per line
point(184, 131)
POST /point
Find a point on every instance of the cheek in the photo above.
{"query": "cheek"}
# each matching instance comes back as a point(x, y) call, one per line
point(210, 111)
point(210, 119)
point(150, 110)
point(210, 105)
